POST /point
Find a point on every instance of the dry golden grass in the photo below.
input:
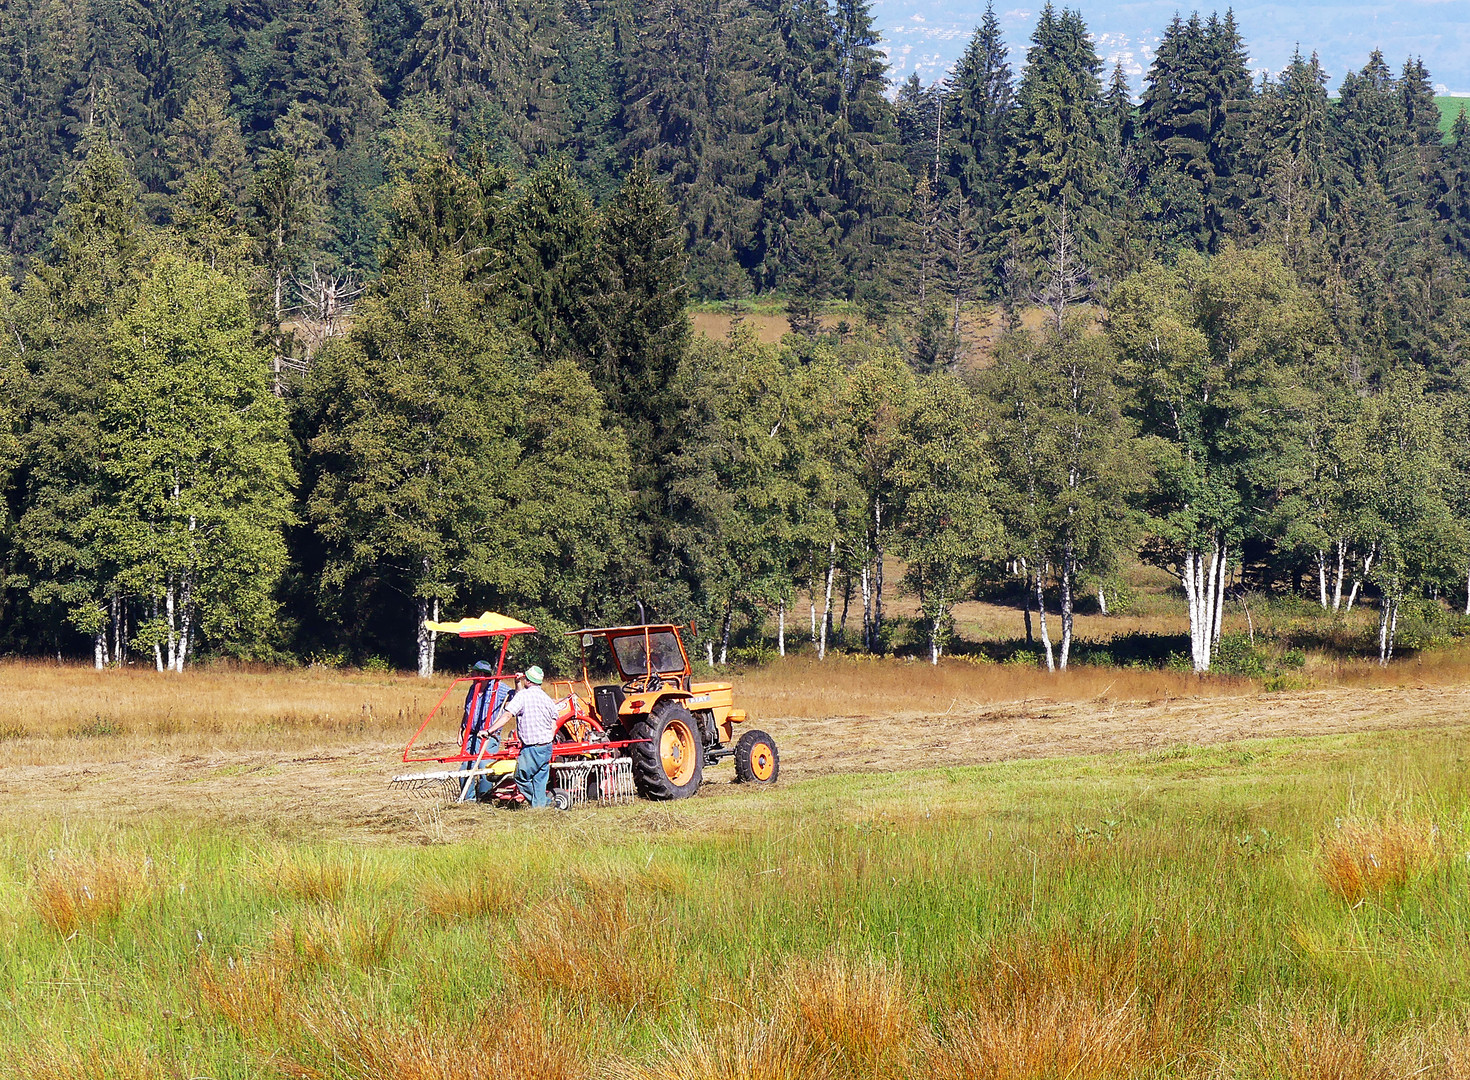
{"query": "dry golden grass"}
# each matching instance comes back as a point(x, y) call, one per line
point(339, 1042)
point(1361, 859)
point(92, 1062)
point(863, 686)
point(130, 712)
point(464, 897)
point(249, 995)
point(70, 893)
point(858, 1012)
point(765, 1050)
point(364, 939)
point(319, 1034)
point(603, 955)
point(1037, 1008)
point(1286, 1044)
point(1048, 1035)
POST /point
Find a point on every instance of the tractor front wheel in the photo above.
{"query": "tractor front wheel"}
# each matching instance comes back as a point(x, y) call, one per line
point(756, 759)
point(670, 763)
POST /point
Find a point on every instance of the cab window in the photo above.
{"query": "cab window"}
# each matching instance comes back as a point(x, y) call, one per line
point(632, 658)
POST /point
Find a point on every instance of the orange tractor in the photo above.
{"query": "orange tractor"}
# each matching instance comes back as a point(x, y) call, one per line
point(652, 732)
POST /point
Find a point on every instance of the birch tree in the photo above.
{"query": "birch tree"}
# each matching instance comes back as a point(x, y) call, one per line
point(1400, 476)
point(737, 509)
point(945, 525)
point(194, 449)
point(1070, 468)
point(1212, 348)
point(878, 401)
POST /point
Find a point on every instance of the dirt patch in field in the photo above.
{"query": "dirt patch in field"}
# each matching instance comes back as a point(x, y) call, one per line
point(344, 788)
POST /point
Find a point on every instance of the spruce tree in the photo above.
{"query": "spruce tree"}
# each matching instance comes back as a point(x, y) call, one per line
point(1455, 202)
point(69, 303)
point(917, 116)
point(977, 108)
point(644, 327)
point(1421, 114)
point(552, 276)
point(1056, 152)
point(206, 135)
point(977, 112)
point(1368, 120)
point(1288, 148)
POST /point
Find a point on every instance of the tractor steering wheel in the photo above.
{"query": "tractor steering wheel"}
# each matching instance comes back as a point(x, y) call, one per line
point(645, 684)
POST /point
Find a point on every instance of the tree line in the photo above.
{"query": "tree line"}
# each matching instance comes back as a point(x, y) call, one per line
point(290, 399)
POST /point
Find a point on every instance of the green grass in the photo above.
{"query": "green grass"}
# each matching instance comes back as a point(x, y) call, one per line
point(1449, 108)
point(1183, 887)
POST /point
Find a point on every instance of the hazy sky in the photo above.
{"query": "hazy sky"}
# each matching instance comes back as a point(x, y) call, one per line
point(927, 36)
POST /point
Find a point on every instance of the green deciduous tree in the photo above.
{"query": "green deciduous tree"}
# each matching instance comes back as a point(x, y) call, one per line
point(196, 465)
point(1399, 476)
point(412, 458)
point(1070, 468)
point(1212, 348)
point(944, 524)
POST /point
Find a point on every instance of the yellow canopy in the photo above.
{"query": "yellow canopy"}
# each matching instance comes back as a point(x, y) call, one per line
point(483, 626)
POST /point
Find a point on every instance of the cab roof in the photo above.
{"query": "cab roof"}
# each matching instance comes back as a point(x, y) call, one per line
point(488, 624)
point(620, 630)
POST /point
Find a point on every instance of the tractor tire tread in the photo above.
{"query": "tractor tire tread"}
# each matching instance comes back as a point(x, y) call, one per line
point(744, 774)
point(648, 770)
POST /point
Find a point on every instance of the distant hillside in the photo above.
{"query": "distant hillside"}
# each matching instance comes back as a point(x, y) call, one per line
point(1449, 108)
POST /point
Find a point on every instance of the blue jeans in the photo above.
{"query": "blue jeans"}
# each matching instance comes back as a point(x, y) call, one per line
point(533, 769)
point(489, 744)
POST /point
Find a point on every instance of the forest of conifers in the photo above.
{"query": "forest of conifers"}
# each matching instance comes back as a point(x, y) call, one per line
point(324, 318)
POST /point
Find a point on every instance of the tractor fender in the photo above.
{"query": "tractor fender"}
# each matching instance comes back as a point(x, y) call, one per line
point(639, 704)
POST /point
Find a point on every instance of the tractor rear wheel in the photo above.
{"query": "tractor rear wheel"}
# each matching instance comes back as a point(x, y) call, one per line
point(670, 764)
point(756, 759)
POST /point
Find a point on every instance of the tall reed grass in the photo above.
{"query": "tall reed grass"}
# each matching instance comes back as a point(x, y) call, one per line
point(1124, 916)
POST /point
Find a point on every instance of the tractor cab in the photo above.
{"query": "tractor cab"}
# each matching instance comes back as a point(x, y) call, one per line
point(649, 661)
point(680, 725)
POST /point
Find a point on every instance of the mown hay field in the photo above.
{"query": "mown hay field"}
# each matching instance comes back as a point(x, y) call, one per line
point(1270, 908)
point(975, 870)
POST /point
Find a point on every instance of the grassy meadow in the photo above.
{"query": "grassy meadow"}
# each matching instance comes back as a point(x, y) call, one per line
point(1288, 908)
point(205, 876)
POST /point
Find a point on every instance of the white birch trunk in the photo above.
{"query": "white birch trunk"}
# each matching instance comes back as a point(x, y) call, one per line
point(1388, 622)
point(1322, 578)
point(1221, 579)
point(1337, 584)
point(1204, 587)
point(170, 616)
point(868, 609)
point(827, 600)
point(1102, 599)
point(877, 573)
point(781, 626)
point(725, 636)
point(1359, 579)
point(1051, 664)
point(1067, 573)
point(934, 624)
point(186, 619)
point(1190, 582)
point(99, 649)
point(427, 638)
